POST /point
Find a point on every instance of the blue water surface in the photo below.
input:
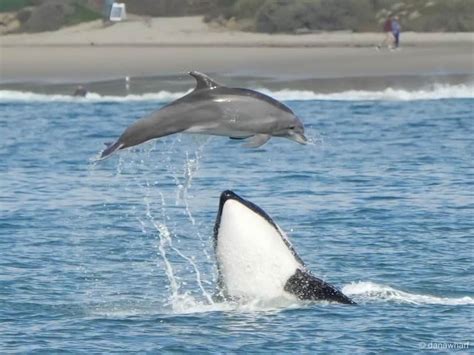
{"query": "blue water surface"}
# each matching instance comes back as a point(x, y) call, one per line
point(117, 256)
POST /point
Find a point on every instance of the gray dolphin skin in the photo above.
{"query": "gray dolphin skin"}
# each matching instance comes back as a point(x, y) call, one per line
point(218, 110)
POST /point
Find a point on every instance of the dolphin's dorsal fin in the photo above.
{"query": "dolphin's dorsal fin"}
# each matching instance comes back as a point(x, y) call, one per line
point(203, 81)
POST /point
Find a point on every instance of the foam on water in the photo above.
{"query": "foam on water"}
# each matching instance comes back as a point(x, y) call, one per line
point(161, 96)
point(187, 305)
point(366, 290)
point(362, 292)
point(184, 303)
point(434, 92)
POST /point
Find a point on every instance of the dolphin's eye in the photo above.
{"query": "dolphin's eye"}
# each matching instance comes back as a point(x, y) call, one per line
point(291, 127)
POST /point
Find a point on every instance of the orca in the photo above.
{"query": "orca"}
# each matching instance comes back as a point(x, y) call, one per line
point(255, 259)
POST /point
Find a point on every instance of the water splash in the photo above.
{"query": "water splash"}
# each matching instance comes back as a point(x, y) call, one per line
point(164, 241)
point(371, 291)
point(157, 214)
point(190, 168)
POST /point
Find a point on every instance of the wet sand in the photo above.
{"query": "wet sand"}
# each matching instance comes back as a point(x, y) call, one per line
point(171, 47)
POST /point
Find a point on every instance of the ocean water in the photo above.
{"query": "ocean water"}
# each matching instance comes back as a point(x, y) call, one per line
point(117, 256)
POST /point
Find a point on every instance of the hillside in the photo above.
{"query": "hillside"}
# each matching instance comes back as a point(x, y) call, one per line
point(273, 16)
point(268, 16)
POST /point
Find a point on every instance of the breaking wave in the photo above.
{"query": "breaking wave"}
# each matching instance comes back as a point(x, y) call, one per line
point(161, 96)
point(361, 292)
point(371, 291)
point(435, 92)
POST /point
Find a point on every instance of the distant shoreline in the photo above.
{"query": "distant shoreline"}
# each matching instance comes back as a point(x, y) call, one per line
point(166, 47)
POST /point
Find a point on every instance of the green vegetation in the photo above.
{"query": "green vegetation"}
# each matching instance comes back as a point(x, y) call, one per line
point(14, 5)
point(271, 16)
point(285, 16)
point(49, 15)
point(355, 15)
point(246, 8)
point(81, 14)
point(451, 16)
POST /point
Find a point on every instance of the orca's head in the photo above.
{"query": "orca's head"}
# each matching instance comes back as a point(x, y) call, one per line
point(254, 258)
point(256, 261)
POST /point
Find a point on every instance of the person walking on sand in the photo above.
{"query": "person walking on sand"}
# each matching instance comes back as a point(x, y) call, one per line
point(387, 29)
point(396, 29)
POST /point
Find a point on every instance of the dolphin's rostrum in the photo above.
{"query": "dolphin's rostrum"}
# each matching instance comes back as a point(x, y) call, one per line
point(215, 109)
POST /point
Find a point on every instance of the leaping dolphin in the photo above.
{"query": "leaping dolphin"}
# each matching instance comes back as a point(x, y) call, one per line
point(215, 109)
point(255, 260)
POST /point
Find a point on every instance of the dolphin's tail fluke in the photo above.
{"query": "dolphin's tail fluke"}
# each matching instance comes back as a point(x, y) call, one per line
point(110, 149)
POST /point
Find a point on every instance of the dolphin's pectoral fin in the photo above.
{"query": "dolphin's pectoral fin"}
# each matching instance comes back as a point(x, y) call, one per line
point(307, 287)
point(203, 81)
point(239, 138)
point(257, 140)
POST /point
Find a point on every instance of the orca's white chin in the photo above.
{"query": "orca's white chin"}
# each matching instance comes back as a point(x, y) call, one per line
point(254, 261)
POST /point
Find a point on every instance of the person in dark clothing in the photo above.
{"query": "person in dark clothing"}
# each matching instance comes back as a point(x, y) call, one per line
point(387, 29)
point(396, 29)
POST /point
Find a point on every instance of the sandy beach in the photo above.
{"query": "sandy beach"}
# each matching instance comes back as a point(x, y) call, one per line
point(166, 47)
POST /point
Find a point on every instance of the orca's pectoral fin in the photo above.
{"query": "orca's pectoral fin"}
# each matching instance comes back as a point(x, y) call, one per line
point(307, 287)
point(257, 140)
point(110, 149)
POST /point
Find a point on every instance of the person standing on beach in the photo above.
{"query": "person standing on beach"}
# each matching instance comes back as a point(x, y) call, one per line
point(387, 29)
point(396, 29)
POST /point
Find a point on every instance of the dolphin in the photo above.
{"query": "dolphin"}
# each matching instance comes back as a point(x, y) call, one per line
point(255, 260)
point(215, 109)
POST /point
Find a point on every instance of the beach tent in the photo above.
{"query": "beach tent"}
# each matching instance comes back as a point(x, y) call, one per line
point(118, 13)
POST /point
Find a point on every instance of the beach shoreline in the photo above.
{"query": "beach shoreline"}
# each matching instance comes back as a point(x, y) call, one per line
point(182, 83)
point(164, 49)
